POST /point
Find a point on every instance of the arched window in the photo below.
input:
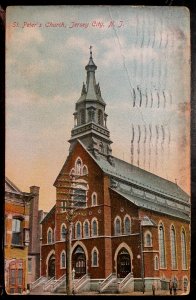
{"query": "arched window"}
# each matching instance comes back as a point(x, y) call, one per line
point(162, 247)
point(148, 239)
point(85, 170)
point(49, 236)
point(82, 116)
point(127, 225)
point(94, 199)
point(63, 259)
point(117, 226)
point(94, 227)
point(173, 248)
point(100, 117)
point(86, 229)
point(78, 167)
point(156, 263)
point(95, 257)
point(63, 232)
point(78, 230)
point(183, 245)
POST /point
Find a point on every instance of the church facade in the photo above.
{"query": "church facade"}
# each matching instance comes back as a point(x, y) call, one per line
point(130, 228)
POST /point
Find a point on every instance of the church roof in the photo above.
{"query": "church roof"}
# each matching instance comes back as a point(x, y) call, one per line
point(145, 189)
point(142, 178)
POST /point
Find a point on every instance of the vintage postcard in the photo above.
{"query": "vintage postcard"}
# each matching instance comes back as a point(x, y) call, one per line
point(97, 190)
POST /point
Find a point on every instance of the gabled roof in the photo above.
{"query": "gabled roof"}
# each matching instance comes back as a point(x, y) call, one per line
point(11, 187)
point(49, 214)
point(139, 177)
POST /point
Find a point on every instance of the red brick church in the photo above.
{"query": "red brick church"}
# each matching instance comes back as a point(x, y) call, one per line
point(132, 228)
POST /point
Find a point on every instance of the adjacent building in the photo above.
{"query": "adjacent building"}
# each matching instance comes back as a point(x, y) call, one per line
point(131, 229)
point(21, 238)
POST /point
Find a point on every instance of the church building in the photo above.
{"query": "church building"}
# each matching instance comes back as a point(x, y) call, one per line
point(131, 228)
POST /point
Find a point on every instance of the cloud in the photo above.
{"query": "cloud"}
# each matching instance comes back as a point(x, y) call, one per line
point(23, 38)
point(120, 50)
point(42, 67)
point(18, 97)
point(77, 43)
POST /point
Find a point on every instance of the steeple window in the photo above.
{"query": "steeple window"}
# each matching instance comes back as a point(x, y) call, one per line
point(100, 117)
point(91, 114)
point(82, 116)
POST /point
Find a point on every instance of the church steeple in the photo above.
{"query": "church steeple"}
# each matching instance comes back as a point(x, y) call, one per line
point(90, 119)
point(90, 80)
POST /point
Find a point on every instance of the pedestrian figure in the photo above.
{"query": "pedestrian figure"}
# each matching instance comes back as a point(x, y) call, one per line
point(170, 287)
point(153, 289)
point(143, 288)
point(175, 286)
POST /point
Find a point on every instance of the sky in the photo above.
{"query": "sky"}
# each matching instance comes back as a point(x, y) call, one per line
point(143, 60)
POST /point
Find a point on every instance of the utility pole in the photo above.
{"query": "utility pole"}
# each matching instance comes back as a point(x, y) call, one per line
point(71, 204)
point(142, 256)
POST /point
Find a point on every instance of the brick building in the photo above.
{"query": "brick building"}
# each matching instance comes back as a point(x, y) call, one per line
point(16, 237)
point(21, 239)
point(132, 228)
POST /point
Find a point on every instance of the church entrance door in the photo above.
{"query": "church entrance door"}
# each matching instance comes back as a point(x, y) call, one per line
point(123, 263)
point(51, 267)
point(79, 262)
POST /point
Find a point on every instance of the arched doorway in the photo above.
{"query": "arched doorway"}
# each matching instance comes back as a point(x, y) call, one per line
point(79, 262)
point(123, 263)
point(51, 266)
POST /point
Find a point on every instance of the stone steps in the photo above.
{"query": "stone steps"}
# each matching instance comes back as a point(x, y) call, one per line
point(112, 288)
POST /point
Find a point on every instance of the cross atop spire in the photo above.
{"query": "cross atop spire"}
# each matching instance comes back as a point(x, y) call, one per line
point(91, 65)
point(90, 51)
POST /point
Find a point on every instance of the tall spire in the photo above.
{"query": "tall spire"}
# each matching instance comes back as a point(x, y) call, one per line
point(90, 117)
point(90, 79)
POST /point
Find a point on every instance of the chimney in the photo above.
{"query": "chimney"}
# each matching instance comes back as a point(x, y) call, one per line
point(34, 189)
point(34, 220)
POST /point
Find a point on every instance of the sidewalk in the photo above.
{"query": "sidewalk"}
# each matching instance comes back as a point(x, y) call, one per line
point(149, 293)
